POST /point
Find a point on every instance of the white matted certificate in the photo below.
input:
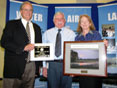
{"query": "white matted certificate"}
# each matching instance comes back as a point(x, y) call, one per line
point(85, 58)
point(42, 52)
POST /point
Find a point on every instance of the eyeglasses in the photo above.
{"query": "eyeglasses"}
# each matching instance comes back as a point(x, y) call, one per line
point(59, 18)
point(30, 10)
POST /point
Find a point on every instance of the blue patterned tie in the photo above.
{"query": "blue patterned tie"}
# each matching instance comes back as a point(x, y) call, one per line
point(58, 44)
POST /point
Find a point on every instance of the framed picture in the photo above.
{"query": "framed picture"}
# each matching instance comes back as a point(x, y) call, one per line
point(85, 58)
point(42, 52)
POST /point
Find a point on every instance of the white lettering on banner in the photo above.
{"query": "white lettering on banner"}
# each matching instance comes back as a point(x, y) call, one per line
point(18, 15)
point(35, 17)
point(72, 18)
point(112, 17)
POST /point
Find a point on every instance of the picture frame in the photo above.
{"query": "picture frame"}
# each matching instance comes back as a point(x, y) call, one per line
point(42, 52)
point(85, 58)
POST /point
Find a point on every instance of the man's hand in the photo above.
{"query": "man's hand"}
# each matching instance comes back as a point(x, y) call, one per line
point(29, 47)
point(45, 72)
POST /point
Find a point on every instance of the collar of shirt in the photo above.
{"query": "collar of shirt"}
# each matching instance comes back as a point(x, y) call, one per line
point(59, 28)
point(31, 29)
point(25, 22)
point(81, 34)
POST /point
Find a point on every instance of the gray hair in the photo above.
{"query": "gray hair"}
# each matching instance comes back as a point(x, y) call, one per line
point(57, 14)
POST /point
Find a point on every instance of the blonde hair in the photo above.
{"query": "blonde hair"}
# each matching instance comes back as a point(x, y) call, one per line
point(92, 27)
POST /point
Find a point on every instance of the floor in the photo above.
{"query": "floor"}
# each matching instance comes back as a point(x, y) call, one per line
point(43, 84)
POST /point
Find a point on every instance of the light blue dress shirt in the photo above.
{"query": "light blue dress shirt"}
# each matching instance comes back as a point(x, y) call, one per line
point(50, 37)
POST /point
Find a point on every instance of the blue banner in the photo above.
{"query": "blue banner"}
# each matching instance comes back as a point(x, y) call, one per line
point(108, 29)
point(72, 15)
point(40, 13)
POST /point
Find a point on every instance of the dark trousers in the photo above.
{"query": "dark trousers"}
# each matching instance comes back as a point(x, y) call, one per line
point(56, 79)
point(27, 80)
point(90, 82)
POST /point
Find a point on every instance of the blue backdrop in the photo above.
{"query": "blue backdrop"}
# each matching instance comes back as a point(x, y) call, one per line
point(40, 13)
point(72, 15)
point(108, 29)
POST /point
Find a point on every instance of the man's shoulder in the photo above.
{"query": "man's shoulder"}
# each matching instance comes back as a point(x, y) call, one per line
point(13, 23)
point(68, 30)
point(14, 20)
point(36, 25)
point(50, 29)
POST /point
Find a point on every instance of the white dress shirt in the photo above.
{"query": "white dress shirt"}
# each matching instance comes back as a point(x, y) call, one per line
point(50, 37)
point(32, 34)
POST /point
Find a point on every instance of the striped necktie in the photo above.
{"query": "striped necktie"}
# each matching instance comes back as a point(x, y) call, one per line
point(29, 37)
point(28, 32)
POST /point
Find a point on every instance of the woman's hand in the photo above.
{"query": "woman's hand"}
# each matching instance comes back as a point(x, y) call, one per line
point(105, 42)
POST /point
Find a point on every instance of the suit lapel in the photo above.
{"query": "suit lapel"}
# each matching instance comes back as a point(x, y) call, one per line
point(22, 28)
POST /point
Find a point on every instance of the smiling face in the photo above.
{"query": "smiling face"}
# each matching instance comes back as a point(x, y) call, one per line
point(84, 23)
point(26, 11)
point(59, 20)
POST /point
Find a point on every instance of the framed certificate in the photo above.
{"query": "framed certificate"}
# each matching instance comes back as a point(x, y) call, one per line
point(42, 52)
point(85, 58)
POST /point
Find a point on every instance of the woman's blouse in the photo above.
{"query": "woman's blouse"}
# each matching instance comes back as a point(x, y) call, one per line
point(92, 35)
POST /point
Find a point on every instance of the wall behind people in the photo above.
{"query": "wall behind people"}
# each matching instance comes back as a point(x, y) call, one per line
point(70, 1)
point(2, 24)
point(54, 1)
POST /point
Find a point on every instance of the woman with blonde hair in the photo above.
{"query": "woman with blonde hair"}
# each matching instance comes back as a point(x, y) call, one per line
point(86, 32)
point(86, 29)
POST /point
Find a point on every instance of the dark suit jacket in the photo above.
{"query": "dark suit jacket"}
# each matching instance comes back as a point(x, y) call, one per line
point(13, 40)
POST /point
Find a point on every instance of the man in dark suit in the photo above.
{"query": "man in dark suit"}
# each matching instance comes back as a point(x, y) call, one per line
point(19, 72)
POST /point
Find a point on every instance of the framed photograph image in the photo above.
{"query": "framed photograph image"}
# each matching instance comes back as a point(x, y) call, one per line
point(42, 52)
point(85, 58)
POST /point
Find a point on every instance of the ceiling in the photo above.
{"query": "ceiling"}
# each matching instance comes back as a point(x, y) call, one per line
point(70, 1)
